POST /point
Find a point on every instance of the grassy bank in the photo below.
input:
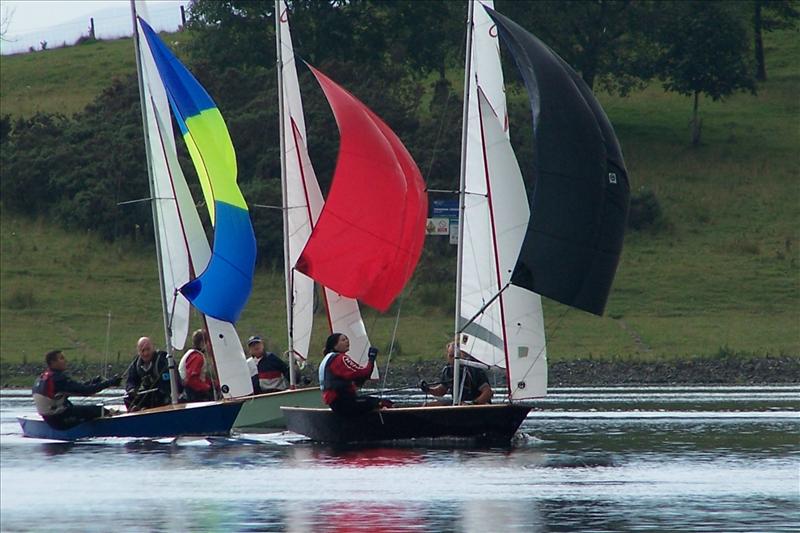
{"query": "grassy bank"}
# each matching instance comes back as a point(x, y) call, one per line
point(722, 276)
point(64, 80)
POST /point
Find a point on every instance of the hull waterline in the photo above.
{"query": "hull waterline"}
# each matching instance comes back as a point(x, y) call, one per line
point(190, 419)
point(483, 423)
point(263, 411)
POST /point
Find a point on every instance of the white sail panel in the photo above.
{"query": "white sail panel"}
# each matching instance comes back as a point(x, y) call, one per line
point(520, 310)
point(232, 369)
point(527, 350)
point(485, 68)
point(304, 204)
point(479, 282)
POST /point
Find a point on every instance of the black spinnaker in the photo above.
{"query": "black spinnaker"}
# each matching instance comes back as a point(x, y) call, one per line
point(580, 196)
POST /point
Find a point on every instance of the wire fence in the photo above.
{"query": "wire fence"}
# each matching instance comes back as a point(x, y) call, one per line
point(112, 23)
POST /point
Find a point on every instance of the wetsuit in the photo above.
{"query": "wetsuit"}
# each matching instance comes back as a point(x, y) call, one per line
point(51, 395)
point(339, 377)
point(147, 376)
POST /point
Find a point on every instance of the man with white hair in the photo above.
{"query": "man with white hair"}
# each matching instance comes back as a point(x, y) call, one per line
point(147, 384)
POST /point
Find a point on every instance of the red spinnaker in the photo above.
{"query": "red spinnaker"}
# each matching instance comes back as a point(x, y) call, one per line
point(369, 235)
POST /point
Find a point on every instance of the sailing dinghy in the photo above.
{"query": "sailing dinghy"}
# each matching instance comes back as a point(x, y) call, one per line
point(562, 239)
point(217, 282)
point(302, 204)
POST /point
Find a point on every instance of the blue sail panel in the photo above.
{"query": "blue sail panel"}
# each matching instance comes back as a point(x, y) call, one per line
point(222, 290)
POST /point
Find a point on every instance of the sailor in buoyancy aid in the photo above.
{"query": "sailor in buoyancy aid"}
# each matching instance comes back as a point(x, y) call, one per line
point(53, 387)
point(195, 371)
point(340, 376)
point(148, 381)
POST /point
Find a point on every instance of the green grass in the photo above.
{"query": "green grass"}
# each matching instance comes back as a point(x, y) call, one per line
point(65, 80)
point(725, 275)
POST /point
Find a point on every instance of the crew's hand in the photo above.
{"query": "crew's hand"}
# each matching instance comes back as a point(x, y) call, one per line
point(424, 387)
point(131, 393)
point(372, 353)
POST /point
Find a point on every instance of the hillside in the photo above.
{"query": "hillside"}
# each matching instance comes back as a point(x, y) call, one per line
point(64, 80)
point(723, 277)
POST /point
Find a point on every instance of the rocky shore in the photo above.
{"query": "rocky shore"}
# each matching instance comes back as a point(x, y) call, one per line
point(729, 370)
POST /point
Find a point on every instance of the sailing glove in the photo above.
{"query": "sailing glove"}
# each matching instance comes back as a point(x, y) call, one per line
point(373, 353)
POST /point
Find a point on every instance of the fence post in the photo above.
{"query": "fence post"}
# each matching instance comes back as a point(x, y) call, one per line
point(91, 28)
point(183, 17)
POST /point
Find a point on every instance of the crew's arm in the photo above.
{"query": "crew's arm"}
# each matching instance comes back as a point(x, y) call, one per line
point(284, 368)
point(70, 386)
point(485, 396)
point(345, 368)
point(132, 380)
point(438, 390)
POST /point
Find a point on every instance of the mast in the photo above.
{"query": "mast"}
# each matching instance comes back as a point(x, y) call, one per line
point(173, 374)
point(461, 194)
point(286, 258)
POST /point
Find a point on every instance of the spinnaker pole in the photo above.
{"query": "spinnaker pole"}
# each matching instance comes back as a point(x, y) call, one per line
point(287, 267)
point(461, 195)
point(173, 373)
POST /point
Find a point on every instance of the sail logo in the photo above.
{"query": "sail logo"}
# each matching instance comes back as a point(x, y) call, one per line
point(612, 177)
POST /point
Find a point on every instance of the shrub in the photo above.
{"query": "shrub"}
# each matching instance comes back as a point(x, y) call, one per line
point(645, 211)
point(21, 299)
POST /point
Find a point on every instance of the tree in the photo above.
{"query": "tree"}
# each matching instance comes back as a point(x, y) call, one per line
point(375, 34)
point(770, 15)
point(5, 21)
point(604, 40)
point(704, 50)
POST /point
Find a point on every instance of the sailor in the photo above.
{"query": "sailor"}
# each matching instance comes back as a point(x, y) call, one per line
point(268, 372)
point(147, 384)
point(476, 383)
point(52, 390)
point(339, 377)
point(196, 371)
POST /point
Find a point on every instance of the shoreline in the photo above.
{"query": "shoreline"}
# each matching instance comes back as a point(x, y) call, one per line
point(731, 370)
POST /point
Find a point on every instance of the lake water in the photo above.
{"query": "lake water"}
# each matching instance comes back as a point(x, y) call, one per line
point(586, 459)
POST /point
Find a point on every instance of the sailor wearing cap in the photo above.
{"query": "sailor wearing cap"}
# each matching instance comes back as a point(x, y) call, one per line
point(268, 372)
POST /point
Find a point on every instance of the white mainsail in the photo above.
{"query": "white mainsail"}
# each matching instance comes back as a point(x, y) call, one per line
point(304, 203)
point(185, 251)
point(509, 331)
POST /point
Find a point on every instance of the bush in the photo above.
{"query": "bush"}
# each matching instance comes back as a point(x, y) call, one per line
point(21, 299)
point(645, 211)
